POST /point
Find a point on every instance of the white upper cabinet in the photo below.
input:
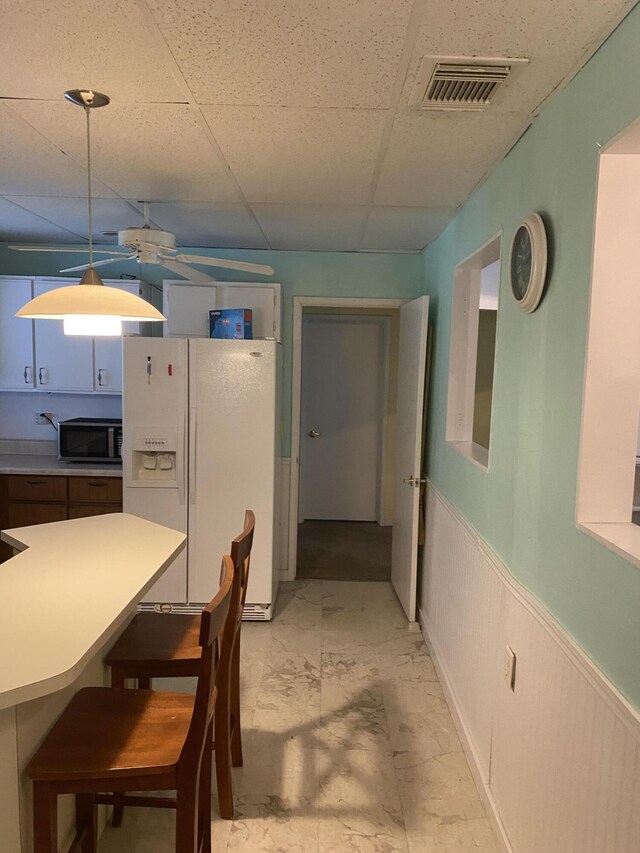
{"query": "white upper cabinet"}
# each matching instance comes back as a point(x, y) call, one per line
point(107, 365)
point(63, 362)
point(37, 354)
point(186, 306)
point(16, 336)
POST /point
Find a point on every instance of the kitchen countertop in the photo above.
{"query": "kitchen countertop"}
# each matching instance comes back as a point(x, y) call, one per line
point(72, 587)
point(26, 463)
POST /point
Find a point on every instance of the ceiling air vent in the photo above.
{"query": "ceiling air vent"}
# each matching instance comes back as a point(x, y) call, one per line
point(461, 83)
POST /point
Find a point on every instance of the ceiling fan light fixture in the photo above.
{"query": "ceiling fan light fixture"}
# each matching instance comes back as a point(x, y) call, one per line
point(89, 308)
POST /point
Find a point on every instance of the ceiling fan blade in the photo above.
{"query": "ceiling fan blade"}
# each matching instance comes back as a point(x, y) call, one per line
point(184, 271)
point(261, 269)
point(100, 263)
point(58, 249)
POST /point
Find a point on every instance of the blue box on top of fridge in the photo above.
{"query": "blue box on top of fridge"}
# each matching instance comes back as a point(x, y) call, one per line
point(231, 323)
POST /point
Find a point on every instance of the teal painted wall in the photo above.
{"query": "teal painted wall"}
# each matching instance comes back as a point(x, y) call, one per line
point(394, 276)
point(524, 506)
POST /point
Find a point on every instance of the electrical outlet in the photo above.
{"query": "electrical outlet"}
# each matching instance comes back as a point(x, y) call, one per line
point(39, 418)
point(510, 668)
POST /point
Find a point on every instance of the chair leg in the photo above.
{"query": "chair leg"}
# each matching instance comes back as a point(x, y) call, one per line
point(234, 699)
point(45, 818)
point(87, 822)
point(186, 818)
point(223, 753)
point(204, 795)
point(117, 680)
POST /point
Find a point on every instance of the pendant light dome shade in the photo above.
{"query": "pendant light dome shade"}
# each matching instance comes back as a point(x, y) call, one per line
point(89, 300)
point(89, 308)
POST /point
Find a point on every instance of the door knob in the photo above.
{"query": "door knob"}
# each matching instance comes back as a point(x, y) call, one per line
point(313, 433)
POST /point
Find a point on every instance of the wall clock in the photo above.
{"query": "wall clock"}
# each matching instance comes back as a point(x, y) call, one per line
point(528, 262)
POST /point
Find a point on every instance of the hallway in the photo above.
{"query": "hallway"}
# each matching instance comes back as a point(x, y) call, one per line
point(349, 744)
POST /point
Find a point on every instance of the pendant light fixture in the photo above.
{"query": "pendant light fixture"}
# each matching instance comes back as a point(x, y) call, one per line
point(89, 308)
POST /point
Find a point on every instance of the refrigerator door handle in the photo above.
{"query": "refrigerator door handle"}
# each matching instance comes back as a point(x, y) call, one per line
point(193, 446)
point(181, 458)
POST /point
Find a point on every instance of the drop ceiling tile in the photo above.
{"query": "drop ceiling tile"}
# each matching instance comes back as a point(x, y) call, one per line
point(18, 225)
point(556, 35)
point(289, 156)
point(338, 53)
point(31, 165)
point(311, 228)
point(404, 229)
point(50, 47)
point(218, 226)
point(108, 214)
point(151, 151)
point(436, 159)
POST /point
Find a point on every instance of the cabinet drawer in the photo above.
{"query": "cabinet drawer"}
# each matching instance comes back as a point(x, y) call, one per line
point(86, 510)
point(96, 489)
point(36, 488)
point(24, 515)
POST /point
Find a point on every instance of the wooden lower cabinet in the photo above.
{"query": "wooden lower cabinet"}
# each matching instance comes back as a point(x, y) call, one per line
point(27, 499)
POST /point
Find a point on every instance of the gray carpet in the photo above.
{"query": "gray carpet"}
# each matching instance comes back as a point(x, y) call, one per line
point(344, 550)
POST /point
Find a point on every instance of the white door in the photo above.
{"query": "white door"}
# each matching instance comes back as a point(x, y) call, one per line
point(410, 413)
point(16, 336)
point(63, 362)
point(232, 440)
point(152, 405)
point(344, 359)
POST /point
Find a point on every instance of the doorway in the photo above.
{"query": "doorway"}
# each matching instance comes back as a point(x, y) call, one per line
point(343, 439)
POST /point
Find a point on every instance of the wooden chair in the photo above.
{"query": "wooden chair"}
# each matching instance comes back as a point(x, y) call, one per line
point(110, 739)
point(157, 645)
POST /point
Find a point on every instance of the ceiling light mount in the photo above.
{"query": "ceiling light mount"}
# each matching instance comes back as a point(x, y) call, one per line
point(87, 98)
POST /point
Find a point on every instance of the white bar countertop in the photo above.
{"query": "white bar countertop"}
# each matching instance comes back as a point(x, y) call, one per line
point(72, 587)
point(26, 463)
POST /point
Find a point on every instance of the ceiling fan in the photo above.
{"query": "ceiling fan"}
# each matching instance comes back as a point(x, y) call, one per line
point(149, 245)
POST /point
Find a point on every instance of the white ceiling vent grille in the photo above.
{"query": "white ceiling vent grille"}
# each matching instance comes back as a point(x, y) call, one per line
point(461, 83)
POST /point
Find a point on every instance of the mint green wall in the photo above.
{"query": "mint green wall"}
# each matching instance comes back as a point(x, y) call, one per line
point(524, 507)
point(397, 276)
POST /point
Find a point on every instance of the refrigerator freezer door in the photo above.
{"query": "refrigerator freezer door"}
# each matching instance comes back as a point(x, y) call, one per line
point(154, 408)
point(232, 396)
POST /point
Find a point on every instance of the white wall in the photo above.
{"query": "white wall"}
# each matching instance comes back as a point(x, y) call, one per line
point(558, 759)
point(17, 409)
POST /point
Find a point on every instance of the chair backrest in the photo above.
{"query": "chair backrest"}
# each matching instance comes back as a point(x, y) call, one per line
point(214, 618)
point(241, 555)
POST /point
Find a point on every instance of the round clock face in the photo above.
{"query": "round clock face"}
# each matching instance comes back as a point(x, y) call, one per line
point(521, 263)
point(528, 263)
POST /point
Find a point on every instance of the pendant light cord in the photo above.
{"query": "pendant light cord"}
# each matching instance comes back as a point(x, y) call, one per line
point(87, 111)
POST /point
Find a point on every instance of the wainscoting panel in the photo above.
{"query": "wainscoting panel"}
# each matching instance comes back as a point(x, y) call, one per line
point(559, 757)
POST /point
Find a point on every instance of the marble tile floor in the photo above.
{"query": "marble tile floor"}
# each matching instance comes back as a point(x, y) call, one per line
point(348, 741)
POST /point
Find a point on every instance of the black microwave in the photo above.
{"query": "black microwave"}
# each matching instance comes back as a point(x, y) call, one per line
point(90, 440)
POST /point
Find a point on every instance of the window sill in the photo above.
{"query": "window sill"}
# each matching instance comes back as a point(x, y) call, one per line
point(475, 453)
point(621, 537)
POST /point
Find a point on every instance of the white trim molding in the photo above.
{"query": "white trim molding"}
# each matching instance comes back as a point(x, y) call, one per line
point(557, 760)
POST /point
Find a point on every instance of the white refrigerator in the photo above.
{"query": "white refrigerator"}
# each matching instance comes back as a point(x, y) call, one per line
point(201, 443)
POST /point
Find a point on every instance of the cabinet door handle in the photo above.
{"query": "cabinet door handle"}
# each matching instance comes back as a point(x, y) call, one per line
point(43, 376)
point(36, 482)
point(101, 370)
point(98, 485)
point(27, 377)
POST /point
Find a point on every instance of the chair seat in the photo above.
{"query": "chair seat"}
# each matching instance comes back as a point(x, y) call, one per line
point(153, 637)
point(111, 733)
